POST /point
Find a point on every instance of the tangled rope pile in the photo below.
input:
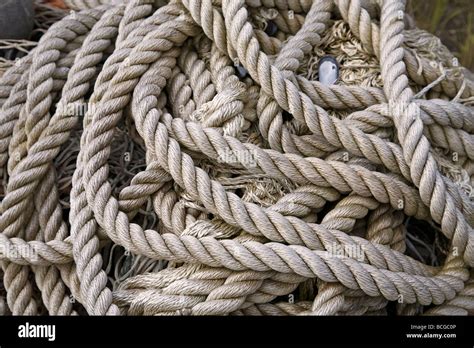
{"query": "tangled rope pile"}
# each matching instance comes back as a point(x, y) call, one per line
point(11, 50)
point(182, 158)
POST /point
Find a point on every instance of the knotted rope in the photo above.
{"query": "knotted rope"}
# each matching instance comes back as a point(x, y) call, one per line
point(182, 158)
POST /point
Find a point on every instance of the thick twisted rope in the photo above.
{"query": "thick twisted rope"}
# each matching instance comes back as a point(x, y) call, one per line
point(261, 181)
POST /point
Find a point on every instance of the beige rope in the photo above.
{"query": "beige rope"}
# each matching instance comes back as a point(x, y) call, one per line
point(255, 181)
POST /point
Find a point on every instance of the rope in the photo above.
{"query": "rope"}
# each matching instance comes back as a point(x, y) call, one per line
point(181, 158)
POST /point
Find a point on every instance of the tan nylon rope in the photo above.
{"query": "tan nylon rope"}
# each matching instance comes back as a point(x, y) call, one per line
point(313, 185)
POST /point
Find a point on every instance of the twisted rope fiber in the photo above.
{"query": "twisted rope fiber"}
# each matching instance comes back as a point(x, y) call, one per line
point(343, 173)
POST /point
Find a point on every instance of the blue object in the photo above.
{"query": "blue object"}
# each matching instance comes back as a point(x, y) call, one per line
point(241, 71)
point(271, 28)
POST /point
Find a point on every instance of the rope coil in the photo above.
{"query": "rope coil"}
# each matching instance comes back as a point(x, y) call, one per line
point(200, 147)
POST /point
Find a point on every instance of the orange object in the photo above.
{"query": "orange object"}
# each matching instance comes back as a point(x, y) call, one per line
point(56, 3)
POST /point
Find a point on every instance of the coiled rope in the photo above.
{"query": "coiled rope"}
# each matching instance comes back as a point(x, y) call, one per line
point(254, 182)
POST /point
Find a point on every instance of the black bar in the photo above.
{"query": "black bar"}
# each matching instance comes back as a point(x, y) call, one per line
point(242, 330)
